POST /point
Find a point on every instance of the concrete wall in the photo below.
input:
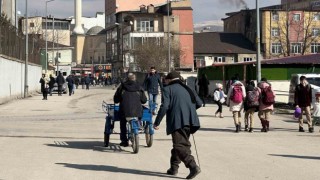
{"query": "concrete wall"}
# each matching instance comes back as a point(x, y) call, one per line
point(12, 79)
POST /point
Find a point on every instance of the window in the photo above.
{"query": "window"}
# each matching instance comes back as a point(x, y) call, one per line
point(220, 59)
point(276, 48)
point(275, 32)
point(315, 32)
point(295, 48)
point(315, 48)
point(210, 57)
point(247, 59)
point(275, 16)
point(145, 25)
point(296, 17)
point(316, 17)
point(32, 24)
point(199, 61)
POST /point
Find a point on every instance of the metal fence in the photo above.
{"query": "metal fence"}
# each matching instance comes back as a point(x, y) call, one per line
point(13, 43)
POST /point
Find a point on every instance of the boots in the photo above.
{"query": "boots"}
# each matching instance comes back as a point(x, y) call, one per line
point(301, 129)
point(267, 125)
point(172, 171)
point(237, 128)
point(263, 123)
point(194, 171)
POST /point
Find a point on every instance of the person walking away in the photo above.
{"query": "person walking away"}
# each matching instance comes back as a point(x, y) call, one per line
point(251, 105)
point(83, 81)
point(151, 84)
point(51, 84)
point(70, 81)
point(316, 109)
point(236, 96)
point(43, 83)
point(60, 81)
point(219, 98)
point(267, 99)
point(179, 104)
point(76, 81)
point(88, 81)
point(131, 96)
point(203, 84)
point(303, 99)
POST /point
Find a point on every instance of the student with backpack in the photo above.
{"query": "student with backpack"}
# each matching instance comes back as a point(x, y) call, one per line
point(236, 95)
point(219, 99)
point(267, 99)
point(251, 104)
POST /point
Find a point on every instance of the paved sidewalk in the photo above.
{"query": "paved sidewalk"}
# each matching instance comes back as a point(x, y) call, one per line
point(62, 138)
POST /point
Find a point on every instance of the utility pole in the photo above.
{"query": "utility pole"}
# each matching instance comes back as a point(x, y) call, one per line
point(258, 43)
point(169, 43)
point(53, 58)
point(27, 54)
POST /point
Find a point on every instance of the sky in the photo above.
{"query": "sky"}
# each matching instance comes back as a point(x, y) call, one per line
point(203, 10)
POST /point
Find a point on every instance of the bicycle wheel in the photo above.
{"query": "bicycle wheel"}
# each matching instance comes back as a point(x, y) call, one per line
point(149, 137)
point(135, 143)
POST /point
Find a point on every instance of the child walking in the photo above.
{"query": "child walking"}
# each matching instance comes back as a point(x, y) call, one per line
point(219, 98)
point(316, 110)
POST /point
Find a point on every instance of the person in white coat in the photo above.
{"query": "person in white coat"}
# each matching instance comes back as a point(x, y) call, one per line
point(316, 109)
point(235, 99)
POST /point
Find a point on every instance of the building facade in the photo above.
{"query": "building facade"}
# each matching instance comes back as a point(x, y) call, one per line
point(130, 23)
point(284, 32)
point(58, 30)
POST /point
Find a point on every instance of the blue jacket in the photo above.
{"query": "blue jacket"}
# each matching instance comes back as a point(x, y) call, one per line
point(179, 105)
point(151, 83)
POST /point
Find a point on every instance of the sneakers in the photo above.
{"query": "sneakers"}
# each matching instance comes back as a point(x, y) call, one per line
point(311, 130)
point(301, 129)
point(172, 171)
point(221, 116)
point(193, 172)
point(246, 128)
point(124, 144)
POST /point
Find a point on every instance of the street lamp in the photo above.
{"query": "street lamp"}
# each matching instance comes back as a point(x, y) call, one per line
point(46, 66)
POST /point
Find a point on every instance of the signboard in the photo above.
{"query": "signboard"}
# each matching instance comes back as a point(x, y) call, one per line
point(102, 67)
point(315, 4)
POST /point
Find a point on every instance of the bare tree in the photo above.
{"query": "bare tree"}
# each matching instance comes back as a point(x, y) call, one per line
point(293, 28)
point(154, 52)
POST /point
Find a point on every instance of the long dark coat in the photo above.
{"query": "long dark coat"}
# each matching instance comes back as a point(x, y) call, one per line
point(179, 109)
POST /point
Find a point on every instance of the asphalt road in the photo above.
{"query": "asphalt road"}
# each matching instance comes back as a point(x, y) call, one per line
point(62, 138)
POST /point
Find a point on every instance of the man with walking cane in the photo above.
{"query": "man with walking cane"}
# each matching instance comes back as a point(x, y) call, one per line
point(179, 104)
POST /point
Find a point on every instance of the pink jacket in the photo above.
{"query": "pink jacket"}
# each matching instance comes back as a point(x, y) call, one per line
point(262, 106)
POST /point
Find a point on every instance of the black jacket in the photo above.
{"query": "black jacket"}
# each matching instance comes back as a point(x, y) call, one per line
point(179, 104)
point(70, 80)
point(151, 83)
point(51, 82)
point(131, 96)
point(60, 80)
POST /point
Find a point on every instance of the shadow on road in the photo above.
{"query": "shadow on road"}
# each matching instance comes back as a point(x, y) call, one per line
point(116, 169)
point(216, 129)
point(296, 156)
point(45, 137)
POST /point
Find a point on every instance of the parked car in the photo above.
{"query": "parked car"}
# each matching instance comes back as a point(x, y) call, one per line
point(64, 88)
point(313, 79)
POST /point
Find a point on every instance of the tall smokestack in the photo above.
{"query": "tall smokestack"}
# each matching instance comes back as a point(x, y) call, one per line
point(237, 3)
point(78, 13)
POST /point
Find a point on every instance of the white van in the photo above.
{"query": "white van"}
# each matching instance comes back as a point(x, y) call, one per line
point(313, 79)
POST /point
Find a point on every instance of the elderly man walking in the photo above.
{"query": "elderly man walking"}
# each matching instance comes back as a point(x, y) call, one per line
point(179, 104)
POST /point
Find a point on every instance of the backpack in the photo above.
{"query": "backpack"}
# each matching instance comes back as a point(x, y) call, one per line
point(216, 95)
point(267, 96)
point(253, 98)
point(237, 96)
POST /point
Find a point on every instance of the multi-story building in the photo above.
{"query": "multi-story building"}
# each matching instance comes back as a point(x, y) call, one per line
point(284, 32)
point(58, 30)
point(128, 24)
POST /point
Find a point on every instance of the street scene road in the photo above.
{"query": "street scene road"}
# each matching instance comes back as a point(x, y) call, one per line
point(62, 138)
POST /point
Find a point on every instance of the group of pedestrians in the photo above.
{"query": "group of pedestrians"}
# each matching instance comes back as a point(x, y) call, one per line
point(179, 104)
point(47, 85)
